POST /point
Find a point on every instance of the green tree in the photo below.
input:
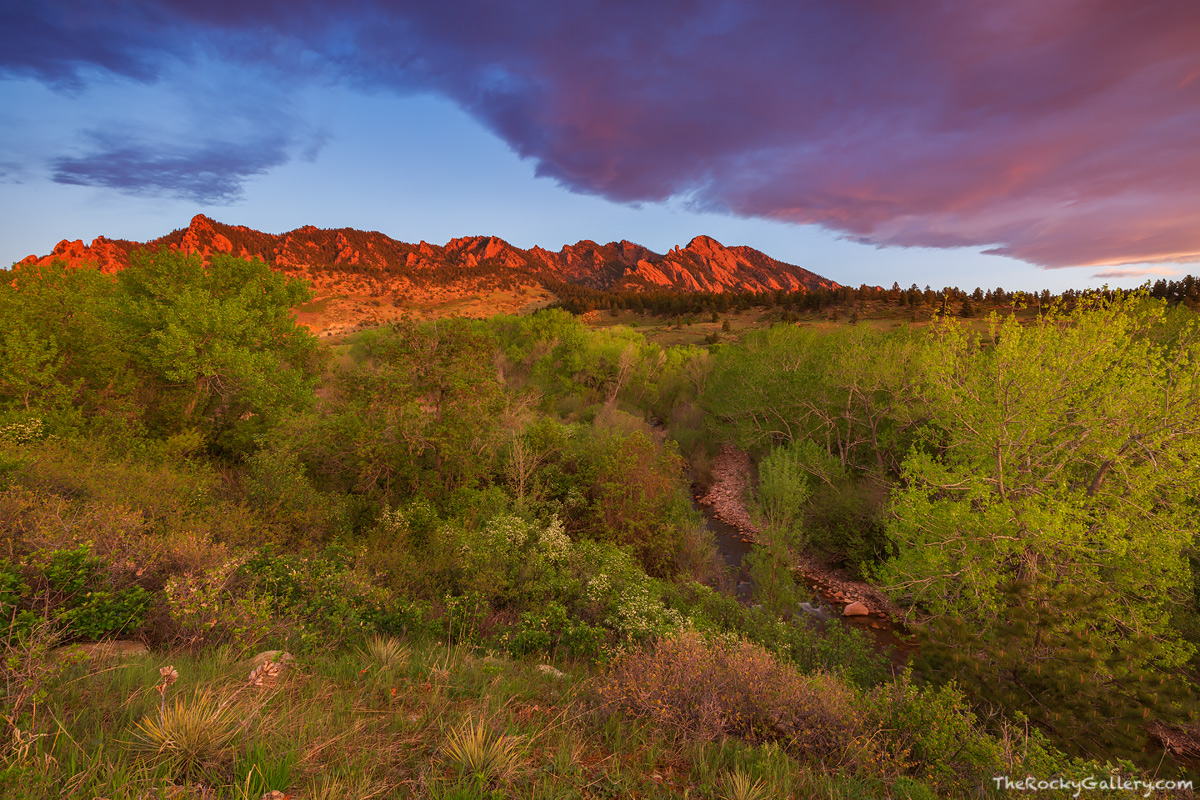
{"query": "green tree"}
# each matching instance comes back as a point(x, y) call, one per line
point(60, 357)
point(215, 346)
point(850, 389)
point(783, 490)
point(419, 401)
point(1059, 454)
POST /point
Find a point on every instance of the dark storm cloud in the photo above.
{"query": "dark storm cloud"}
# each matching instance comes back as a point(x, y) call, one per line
point(1059, 133)
point(57, 41)
point(210, 173)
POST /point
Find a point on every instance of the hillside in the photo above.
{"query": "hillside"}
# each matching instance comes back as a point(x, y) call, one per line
point(354, 271)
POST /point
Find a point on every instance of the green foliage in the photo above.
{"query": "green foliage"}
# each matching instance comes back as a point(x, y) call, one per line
point(15, 622)
point(212, 605)
point(106, 613)
point(552, 630)
point(1062, 453)
point(1095, 698)
point(259, 771)
point(416, 412)
point(192, 734)
point(851, 388)
point(634, 496)
point(60, 355)
point(75, 594)
point(783, 489)
point(933, 734)
point(216, 343)
point(320, 597)
point(168, 345)
point(277, 482)
point(1060, 458)
point(839, 649)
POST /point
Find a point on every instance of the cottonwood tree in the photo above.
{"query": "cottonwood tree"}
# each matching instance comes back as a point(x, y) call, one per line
point(420, 401)
point(783, 489)
point(215, 345)
point(1062, 457)
point(849, 389)
point(168, 345)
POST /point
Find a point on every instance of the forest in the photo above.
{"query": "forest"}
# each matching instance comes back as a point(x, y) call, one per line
point(468, 555)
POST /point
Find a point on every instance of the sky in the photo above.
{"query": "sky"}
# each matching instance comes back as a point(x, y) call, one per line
point(1020, 143)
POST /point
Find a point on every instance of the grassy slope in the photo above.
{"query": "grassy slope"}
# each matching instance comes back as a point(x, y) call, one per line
point(340, 725)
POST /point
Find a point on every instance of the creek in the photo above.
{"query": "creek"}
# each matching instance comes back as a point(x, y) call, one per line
point(888, 638)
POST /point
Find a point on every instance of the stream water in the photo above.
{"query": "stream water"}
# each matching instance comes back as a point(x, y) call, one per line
point(887, 637)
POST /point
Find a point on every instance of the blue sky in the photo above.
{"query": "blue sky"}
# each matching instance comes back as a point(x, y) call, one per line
point(866, 147)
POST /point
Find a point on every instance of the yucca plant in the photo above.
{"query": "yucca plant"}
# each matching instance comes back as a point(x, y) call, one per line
point(738, 785)
point(487, 756)
point(385, 651)
point(189, 732)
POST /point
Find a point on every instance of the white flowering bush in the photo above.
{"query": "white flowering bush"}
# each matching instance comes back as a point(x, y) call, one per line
point(512, 558)
point(622, 597)
point(26, 431)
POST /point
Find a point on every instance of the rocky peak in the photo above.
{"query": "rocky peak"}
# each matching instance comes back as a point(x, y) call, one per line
point(703, 265)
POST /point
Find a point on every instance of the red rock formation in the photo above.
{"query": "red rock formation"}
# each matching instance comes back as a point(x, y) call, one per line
point(704, 265)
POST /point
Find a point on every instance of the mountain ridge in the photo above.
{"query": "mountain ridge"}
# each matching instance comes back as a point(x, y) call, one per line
point(468, 263)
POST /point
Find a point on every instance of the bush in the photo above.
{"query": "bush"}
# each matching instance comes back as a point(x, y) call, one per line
point(839, 648)
point(694, 688)
point(322, 598)
point(932, 734)
point(14, 621)
point(81, 599)
point(553, 631)
point(214, 605)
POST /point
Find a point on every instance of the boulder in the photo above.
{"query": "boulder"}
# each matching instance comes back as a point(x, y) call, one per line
point(856, 609)
point(276, 656)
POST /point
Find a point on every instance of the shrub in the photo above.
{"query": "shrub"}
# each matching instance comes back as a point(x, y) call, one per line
point(323, 596)
point(14, 622)
point(212, 605)
point(708, 690)
point(82, 599)
point(552, 629)
point(932, 734)
point(619, 595)
point(839, 648)
point(278, 484)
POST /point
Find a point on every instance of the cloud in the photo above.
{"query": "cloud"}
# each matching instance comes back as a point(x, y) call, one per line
point(1062, 134)
point(1134, 273)
point(210, 173)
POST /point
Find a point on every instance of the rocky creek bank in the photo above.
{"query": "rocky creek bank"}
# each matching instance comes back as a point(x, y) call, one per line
point(732, 475)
